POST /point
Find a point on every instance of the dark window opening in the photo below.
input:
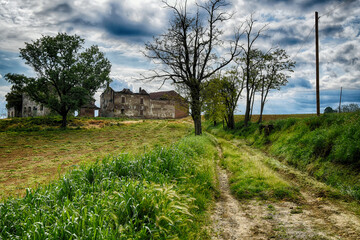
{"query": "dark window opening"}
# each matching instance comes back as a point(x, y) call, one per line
point(122, 99)
point(29, 109)
point(41, 107)
point(34, 108)
point(141, 112)
point(24, 109)
point(141, 101)
point(122, 111)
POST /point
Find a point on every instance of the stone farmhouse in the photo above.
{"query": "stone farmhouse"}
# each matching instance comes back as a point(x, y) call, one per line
point(29, 108)
point(125, 103)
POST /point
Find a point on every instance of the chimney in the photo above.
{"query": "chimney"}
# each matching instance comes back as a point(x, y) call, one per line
point(139, 89)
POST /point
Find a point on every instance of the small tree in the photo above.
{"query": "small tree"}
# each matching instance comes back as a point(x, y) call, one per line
point(352, 107)
point(329, 110)
point(66, 78)
point(214, 107)
point(187, 51)
point(222, 95)
point(14, 99)
point(275, 64)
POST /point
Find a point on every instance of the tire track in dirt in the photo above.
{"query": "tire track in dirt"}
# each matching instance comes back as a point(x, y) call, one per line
point(310, 218)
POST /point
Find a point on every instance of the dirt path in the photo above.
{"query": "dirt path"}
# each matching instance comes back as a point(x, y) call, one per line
point(310, 218)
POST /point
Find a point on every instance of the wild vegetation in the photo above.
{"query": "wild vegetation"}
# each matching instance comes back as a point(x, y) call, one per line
point(35, 150)
point(327, 147)
point(160, 194)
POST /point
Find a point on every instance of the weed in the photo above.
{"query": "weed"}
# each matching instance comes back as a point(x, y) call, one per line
point(296, 210)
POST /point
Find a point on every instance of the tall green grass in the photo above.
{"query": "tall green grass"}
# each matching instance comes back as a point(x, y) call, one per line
point(250, 177)
point(327, 147)
point(162, 194)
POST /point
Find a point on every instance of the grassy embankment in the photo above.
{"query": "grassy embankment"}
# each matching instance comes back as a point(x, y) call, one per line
point(34, 150)
point(159, 190)
point(326, 147)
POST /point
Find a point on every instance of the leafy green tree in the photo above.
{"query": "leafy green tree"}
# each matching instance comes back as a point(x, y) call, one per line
point(67, 77)
point(214, 107)
point(276, 63)
point(222, 95)
point(329, 110)
point(14, 99)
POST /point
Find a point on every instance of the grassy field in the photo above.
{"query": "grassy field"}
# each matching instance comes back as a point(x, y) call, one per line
point(34, 150)
point(271, 117)
point(161, 194)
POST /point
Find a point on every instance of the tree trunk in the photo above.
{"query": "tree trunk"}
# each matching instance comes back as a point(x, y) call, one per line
point(252, 105)
point(261, 111)
point(63, 122)
point(247, 113)
point(196, 110)
point(231, 121)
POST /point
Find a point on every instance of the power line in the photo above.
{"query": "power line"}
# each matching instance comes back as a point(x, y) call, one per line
point(337, 6)
point(312, 29)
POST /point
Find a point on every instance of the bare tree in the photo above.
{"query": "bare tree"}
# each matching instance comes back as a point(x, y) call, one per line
point(187, 51)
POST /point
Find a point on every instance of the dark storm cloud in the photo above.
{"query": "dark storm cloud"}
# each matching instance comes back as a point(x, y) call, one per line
point(116, 21)
point(311, 4)
point(347, 55)
point(118, 24)
point(298, 4)
point(331, 30)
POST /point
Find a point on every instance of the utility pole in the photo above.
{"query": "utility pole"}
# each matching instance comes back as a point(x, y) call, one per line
point(340, 101)
point(317, 63)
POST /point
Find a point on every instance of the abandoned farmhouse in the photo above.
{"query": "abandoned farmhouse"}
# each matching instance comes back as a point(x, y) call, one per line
point(28, 108)
point(166, 104)
point(125, 103)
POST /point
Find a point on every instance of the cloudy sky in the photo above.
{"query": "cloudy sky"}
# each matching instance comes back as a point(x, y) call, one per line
point(120, 28)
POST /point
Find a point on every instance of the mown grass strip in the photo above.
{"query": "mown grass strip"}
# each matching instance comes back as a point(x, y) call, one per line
point(250, 177)
point(162, 194)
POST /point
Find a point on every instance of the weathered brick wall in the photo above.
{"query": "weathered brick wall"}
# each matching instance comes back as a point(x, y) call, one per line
point(107, 104)
point(86, 112)
point(131, 105)
point(162, 109)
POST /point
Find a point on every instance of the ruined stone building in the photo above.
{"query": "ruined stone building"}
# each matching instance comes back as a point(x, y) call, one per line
point(125, 103)
point(29, 108)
